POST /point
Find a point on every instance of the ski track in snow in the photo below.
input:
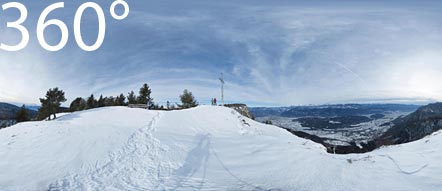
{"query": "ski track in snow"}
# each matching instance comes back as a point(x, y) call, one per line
point(128, 169)
point(196, 157)
point(396, 163)
point(125, 169)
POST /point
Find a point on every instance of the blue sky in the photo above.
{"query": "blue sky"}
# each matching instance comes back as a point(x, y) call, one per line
point(271, 52)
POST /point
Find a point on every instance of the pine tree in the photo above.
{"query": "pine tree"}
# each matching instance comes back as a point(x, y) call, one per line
point(109, 101)
point(131, 98)
point(187, 100)
point(43, 111)
point(91, 102)
point(51, 103)
point(120, 100)
point(22, 115)
point(100, 102)
point(144, 97)
point(154, 106)
point(78, 104)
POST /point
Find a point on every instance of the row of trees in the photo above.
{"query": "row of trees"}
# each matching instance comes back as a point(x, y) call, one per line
point(50, 105)
point(91, 102)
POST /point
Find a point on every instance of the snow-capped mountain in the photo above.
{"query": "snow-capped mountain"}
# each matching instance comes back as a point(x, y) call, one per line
point(204, 148)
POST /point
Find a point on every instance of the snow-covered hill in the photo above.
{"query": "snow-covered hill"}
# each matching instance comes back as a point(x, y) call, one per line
point(205, 148)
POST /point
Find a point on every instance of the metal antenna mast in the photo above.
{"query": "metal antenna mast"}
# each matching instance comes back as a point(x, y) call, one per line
point(222, 88)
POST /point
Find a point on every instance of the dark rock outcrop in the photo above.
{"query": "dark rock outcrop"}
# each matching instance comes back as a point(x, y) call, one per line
point(241, 108)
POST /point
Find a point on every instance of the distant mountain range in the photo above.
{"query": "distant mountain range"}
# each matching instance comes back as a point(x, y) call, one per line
point(268, 111)
point(339, 110)
point(33, 107)
point(8, 111)
point(415, 126)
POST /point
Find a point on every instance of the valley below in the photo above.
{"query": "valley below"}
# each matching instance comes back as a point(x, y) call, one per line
point(342, 126)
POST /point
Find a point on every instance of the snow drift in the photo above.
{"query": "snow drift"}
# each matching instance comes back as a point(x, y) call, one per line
point(205, 148)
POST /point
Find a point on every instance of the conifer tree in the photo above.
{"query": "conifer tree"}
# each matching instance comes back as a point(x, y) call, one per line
point(91, 102)
point(43, 111)
point(187, 100)
point(109, 101)
point(144, 97)
point(22, 115)
point(131, 98)
point(78, 104)
point(51, 103)
point(100, 102)
point(120, 100)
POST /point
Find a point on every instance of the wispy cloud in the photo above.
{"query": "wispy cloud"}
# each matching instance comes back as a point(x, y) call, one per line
point(282, 53)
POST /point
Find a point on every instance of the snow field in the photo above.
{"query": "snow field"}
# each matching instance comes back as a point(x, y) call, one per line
point(204, 148)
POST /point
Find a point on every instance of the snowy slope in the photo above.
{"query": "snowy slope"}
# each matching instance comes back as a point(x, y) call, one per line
point(205, 148)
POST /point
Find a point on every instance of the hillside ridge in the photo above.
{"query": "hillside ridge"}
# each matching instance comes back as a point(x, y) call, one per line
point(203, 148)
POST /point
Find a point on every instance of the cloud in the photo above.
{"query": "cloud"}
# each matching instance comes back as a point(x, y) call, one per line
point(278, 53)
